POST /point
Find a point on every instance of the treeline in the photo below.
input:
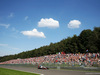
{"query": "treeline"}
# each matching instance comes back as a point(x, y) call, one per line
point(87, 39)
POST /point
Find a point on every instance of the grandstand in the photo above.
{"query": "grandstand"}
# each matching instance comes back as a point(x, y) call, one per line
point(77, 60)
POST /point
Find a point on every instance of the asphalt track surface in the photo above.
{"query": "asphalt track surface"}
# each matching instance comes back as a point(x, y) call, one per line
point(50, 71)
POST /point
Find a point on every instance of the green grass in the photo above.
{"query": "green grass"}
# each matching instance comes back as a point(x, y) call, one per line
point(4, 71)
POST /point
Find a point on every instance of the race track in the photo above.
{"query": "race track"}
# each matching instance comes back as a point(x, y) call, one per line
point(50, 71)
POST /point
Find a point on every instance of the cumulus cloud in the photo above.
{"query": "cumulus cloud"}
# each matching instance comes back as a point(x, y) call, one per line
point(11, 15)
point(33, 33)
point(26, 17)
point(5, 25)
point(51, 23)
point(74, 24)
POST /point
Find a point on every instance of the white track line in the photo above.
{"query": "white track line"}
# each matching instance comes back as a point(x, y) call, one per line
point(93, 73)
point(31, 72)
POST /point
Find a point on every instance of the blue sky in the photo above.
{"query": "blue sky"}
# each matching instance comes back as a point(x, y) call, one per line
point(30, 24)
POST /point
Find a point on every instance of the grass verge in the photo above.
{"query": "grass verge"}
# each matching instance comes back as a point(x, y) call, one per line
point(4, 71)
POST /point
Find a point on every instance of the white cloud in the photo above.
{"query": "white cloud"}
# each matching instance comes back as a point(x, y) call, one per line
point(7, 46)
point(74, 24)
point(3, 44)
point(26, 17)
point(5, 25)
point(11, 15)
point(15, 48)
point(33, 33)
point(51, 23)
point(13, 29)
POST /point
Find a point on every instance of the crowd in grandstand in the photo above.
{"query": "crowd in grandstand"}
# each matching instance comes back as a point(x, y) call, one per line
point(60, 58)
